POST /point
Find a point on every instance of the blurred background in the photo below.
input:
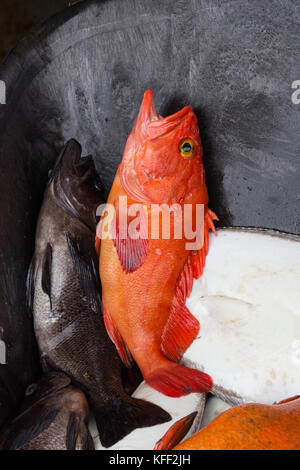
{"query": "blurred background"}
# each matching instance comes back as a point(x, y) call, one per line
point(17, 17)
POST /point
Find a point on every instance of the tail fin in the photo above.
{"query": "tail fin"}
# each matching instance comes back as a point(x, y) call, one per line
point(124, 415)
point(175, 380)
point(176, 433)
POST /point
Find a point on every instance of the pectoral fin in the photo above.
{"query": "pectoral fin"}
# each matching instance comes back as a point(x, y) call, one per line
point(28, 426)
point(78, 433)
point(46, 273)
point(30, 283)
point(132, 252)
point(85, 264)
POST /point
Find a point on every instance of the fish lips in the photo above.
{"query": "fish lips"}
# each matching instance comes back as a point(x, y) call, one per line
point(76, 184)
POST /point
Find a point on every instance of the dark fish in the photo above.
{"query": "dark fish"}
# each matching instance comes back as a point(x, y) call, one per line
point(65, 295)
point(54, 416)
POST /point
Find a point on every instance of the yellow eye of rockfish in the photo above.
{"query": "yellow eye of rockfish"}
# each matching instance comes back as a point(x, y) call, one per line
point(186, 148)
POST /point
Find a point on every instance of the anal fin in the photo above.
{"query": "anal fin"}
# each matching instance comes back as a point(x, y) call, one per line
point(180, 331)
point(116, 338)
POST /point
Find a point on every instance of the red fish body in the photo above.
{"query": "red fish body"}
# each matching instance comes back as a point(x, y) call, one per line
point(145, 281)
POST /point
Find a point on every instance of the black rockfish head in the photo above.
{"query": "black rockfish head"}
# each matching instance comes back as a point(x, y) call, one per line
point(54, 416)
point(76, 184)
point(47, 386)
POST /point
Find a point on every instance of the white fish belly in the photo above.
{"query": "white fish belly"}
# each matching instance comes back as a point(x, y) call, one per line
point(248, 306)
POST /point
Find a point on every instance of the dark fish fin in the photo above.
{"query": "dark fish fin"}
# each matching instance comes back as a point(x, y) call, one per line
point(124, 415)
point(47, 270)
point(85, 264)
point(77, 430)
point(132, 252)
point(176, 433)
point(28, 426)
point(30, 282)
point(72, 432)
point(86, 439)
point(131, 377)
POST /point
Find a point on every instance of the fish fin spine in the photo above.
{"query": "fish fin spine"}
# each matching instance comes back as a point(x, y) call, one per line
point(175, 380)
point(116, 338)
point(198, 258)
point(195, 263)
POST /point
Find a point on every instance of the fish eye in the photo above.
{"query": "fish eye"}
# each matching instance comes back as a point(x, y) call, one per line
point(186, 148)
point(31, 389)
point(98, 184)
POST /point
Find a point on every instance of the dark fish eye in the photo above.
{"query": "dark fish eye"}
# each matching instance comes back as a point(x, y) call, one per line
point(186, 148)
point(98, 184)
point(31, 389)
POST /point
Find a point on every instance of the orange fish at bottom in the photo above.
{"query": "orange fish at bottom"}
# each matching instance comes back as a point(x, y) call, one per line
point(146, 279)
point(245, 427)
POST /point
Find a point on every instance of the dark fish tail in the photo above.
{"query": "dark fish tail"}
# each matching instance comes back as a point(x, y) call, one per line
point(123, 415)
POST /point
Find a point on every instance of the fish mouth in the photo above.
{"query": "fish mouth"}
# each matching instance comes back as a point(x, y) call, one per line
point(75, 183)
point(71, 163)
point(69, 158)
point(150, 123)
point(148, 111)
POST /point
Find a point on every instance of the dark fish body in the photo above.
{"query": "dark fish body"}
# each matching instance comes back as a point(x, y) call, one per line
point(64, 291)
point(54, 416)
